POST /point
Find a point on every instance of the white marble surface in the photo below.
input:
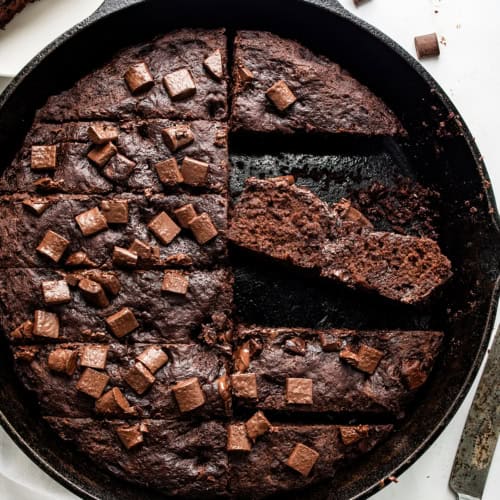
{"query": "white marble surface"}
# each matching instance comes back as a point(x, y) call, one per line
point(469, 72)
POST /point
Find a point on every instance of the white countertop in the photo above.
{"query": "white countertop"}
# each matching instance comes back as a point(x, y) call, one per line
point(469, 71)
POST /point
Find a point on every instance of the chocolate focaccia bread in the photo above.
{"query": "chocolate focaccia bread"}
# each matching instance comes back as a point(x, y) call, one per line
point(281, 220)
point(280, 86)
point(9, 8)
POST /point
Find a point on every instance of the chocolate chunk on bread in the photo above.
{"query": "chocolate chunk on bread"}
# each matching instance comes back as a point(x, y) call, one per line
point(280, 86)
point(290, 223)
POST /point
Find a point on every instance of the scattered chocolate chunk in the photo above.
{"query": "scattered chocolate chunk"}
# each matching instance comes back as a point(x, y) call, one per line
point(139, 78)
point(92, 383)
point(302, 459)
point(244, 385)
point(100, 155)
point(164, 228)
point(203, 228)
point(213, 64)
point(78, 259)
point(427, 46)
point(281, 95)
point(365, 360)
point(115, 211)
point(257, 425)
point(175, 282)
point(413, 374)
point(329, 343)
point(93, 293)
point(43, 157)
point(23, 331)
point(179, 84)
point(194, 172)
point(55, 292)
point(122, 322)
point(237, 439)
point(299, 391)
point(141, 249)
point(224, 387)
point(185, 215)
point(118, 168)
point(189, 394)
point(244, 74)
point(47, 184)
point(353, 434)
point(349, 213)
point(26, 354)
point(130, 435)
point(91, 222)
point(289, 179)
point(53, 245)
point(244, 353)
point(177, 137)
point(94, 356)
point(63, 361)
point(295, 345)
point(168, 172)
point(102, 133)
point(46, 324)
point(108, 280)
point(113, 403)
point(153, 358)
point(124, 258)
point(36, 206)
point(139, 378)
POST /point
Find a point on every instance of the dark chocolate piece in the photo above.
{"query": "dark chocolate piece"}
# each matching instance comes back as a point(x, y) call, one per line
point(179, 84)
point(91, 222)
point(124, 258)
point(168, 172)
point(237, 438)
point(177, 137)
point(36, 206)
point(101, 155)
point(56, 292)
point(194, 172)
point(295, 345)
point(63, 361)
point(79, 259)
point(354, 434)
point(130, 435)
point(175, 282)
point(46, 324)
point(93, 293)
point(122, 322)
point(366, 359)
point(427, 46)
point(185, 215)
point(214, 65)
point(281, 95)
point(102, 133)
point(115, 211)
point(114, 403)
point(53, 245)
point(94, 356)
point(164, 228)
point(299, 391)
point(139, 78)
point(139, 378)
point(189, 394)
point(302, 459)
point(244, 385)
point(203, 228)
point(153, 358)
point(92, 383)
point(257, 425)
point(43, 157)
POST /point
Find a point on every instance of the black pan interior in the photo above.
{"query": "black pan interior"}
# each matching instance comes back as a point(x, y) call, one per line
point(439, 154)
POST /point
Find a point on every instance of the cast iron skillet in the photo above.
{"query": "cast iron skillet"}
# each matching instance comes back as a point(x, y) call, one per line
point(440, 152)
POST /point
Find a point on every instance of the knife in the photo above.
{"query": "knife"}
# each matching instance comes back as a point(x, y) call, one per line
point(479, 438)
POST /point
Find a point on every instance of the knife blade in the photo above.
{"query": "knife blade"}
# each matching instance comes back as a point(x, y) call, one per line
point(480, 434)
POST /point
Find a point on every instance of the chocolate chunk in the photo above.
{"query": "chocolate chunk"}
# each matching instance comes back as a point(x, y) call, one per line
point(47, 184)
point(118, 168)
point(122, 322)
point(281, 95)
point(92, 383)
point(427, 45)
point(46, 324)
point(91, 222)
point(139, 78)
point(237, 439)
point(114, 403)
point(329, 343)
point(289, 179)
point(179, 84)
point(53, 245)
point(55, 292)
point(153, 358)
point(164, 228)
point(130, 435)
point(124, 258)
point(244, 74)
point(189, 394)
point(100, 155)
point(115, 211)
point(177, 137)
point(194, 172)
point(36, 206)
point(244, 385)
point(78, 259)
point(139, 378)
point(94, 356)
point(23, 331)
point(26, 354)
point(93, 293)
point(168, 172)
point(295, 345)
point(43, 157)
point(101, 133)
point(353, 434)
point(299, 391)
point(141, 249)
point(243, 354)
point(223, 387)
point(185, 215)
point(302, 459)
point(257, 425)
point(203, 228)
point(365, 360)
point(63, 361)
point(413, 374)
point(108, 280)
point(213, 64)
point(351, 214)
point(175, 282)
